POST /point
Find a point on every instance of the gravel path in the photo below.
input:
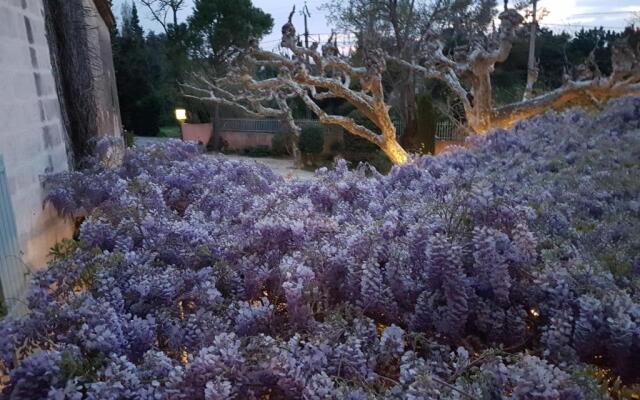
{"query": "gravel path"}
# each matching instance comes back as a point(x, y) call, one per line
point(280, 166)
point(141, 141)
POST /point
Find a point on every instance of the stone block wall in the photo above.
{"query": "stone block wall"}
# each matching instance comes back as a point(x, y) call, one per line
point(237, 141)
point(32, 135)
point(443, 146)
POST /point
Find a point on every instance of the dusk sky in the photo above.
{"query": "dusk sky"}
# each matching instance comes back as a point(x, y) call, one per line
point(568, 15)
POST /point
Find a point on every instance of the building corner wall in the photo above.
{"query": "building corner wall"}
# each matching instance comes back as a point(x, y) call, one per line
point(32, 135)
point(105, 93)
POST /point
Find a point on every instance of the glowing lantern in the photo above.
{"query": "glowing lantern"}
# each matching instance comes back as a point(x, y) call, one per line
point(181, 114)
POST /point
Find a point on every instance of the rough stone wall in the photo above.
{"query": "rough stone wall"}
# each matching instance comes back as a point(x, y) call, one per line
point(105, 88)
point(246, 140)
point(238, 141)
point(80, 41)
point(32, 136)
point(443, 146)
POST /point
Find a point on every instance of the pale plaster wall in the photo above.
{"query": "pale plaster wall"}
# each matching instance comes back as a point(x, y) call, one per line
point(32, 139)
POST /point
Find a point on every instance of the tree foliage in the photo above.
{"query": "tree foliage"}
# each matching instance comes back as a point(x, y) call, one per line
point(150, 65)
point(397, 27)
point(140, 74)
point(312, 139)
point(161, 10)
point(220, 27)
point(558, 54)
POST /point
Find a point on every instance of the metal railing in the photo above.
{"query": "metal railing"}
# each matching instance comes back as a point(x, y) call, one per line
point(251, 125)
point(275, 126)
point(265, 125)
point(448, 130)
point(445, 130)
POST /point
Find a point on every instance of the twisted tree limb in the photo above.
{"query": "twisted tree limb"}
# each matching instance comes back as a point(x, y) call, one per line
point(256, 99)
point(313, 76)
point(468, 76)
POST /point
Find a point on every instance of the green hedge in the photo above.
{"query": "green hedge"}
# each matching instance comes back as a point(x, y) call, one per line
point(281, 144)
point(312, 139)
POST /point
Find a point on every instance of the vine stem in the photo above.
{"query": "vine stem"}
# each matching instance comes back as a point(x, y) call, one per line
point(437, 380)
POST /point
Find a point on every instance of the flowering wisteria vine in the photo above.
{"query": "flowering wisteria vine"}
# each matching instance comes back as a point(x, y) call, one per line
point(510, 269)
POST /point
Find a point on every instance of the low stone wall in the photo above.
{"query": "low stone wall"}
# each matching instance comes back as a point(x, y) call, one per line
point(443, 145)
point(238, 141)
point(197, 132)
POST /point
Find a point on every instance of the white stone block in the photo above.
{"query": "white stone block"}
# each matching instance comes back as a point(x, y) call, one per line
point(8, 25)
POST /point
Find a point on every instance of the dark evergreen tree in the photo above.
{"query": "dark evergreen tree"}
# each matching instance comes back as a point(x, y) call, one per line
point(137, 77)
point(219, 27)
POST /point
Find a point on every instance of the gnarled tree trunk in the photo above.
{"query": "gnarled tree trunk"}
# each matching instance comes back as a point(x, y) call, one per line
point(476, 65)
point(311, 76)
point(394, 152)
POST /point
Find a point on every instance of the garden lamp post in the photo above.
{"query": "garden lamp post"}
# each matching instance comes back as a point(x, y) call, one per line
point(181, 116)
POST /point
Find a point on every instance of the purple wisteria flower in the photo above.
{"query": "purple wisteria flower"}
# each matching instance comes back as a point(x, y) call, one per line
point(505, 270)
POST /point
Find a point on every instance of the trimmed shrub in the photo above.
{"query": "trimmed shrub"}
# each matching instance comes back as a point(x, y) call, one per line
point(258, 151)
point(281, 144)
point(312, 139)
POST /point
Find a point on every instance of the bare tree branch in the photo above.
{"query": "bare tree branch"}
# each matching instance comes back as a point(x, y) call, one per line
point(474, 66)
point(161, 9)
point(348, 124)
point(267, 98)
point(312, 76)
point(577, 93)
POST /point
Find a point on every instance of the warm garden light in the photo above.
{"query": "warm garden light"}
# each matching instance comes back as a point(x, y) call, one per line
point(181, 114)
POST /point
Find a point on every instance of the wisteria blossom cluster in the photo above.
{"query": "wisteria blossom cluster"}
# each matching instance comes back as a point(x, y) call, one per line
point(506, 270)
